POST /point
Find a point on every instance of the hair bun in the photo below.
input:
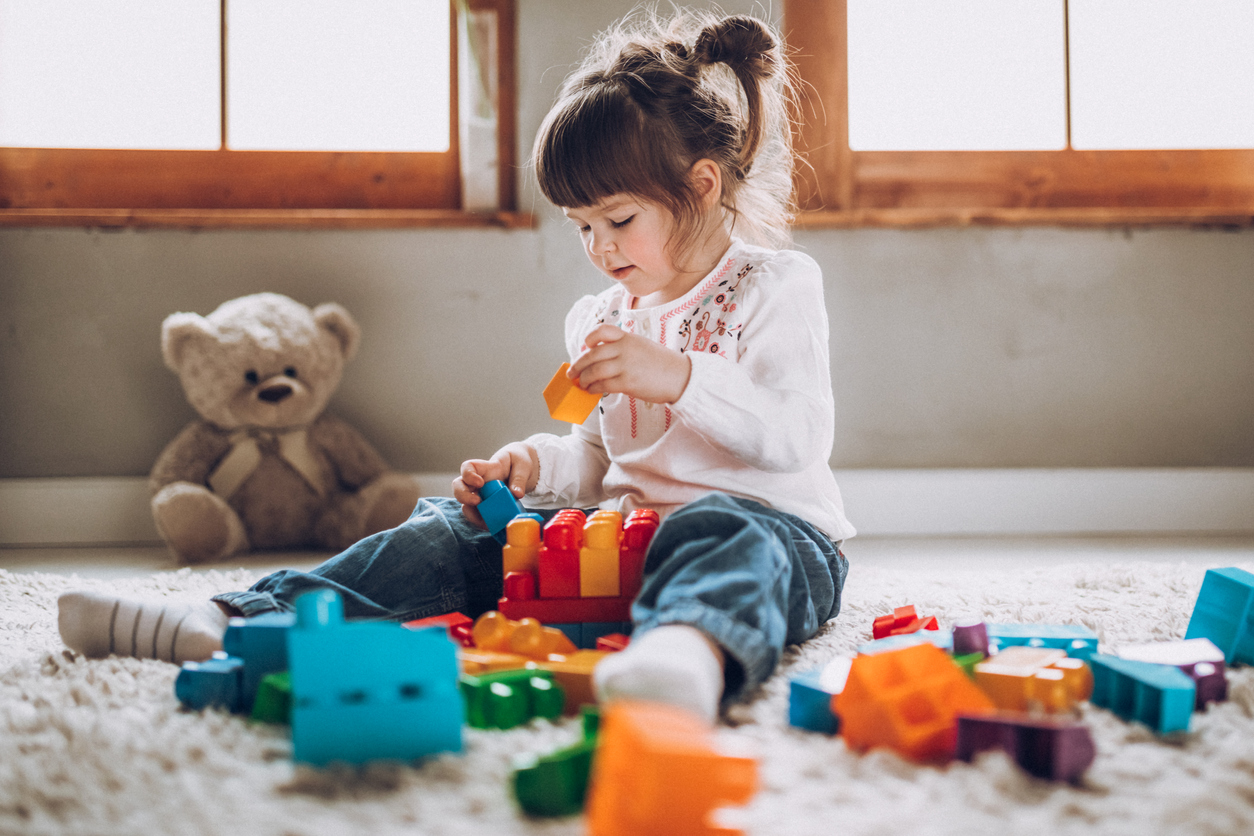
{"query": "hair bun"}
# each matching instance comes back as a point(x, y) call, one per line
point(740, 42)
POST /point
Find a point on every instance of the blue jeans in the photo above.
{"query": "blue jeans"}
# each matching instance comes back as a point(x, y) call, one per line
point(751, 578)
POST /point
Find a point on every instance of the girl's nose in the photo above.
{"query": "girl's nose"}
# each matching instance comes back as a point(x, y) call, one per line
point(600, 244)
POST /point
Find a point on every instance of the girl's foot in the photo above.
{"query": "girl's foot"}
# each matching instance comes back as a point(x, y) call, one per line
point(97, 625)
point(674, 663)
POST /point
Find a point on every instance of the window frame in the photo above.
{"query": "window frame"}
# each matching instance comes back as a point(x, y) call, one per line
point(285, 189)
point(839, 187)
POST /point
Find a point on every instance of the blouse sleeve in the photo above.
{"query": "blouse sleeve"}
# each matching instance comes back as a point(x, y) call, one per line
point(573, 466)
point(772, 407)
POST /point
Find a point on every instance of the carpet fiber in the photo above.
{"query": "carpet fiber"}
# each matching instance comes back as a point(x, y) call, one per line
point(102, 747)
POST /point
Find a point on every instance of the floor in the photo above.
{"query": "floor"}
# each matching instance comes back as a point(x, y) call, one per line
point(967, 552)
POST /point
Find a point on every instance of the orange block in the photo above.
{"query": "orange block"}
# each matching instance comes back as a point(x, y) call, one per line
point(598, 558)
point(907, 700)
point(566, 401)
point(1024, 678)
point(526, 637)
point(657, 772)
point(573, 671)
point(521, 552)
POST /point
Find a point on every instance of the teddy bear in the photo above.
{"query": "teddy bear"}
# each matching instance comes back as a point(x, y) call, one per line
point(264, 467)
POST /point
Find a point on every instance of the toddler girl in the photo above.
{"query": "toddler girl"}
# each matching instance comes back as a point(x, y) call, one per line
point(669, 150)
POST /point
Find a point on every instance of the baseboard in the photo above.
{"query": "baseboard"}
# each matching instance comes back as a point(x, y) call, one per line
point(114, 511)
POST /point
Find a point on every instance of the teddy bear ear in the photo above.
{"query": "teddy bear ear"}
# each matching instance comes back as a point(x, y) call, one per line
point(179, 332)
point(342, 326)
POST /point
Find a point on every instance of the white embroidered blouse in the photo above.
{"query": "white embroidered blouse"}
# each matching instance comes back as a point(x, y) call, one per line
point(756, 420)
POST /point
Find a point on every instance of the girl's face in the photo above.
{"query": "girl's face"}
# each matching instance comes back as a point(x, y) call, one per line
point(626, 239)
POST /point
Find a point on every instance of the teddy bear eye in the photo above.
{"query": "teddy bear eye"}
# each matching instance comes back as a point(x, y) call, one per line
point(251, 377)
point(290, 371)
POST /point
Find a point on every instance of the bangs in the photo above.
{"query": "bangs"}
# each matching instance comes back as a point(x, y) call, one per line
point(595, 145)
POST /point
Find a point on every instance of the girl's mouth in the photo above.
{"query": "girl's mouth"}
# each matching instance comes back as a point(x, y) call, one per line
point(621, 272)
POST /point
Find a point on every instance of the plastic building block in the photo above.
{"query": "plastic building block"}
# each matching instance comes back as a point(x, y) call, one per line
point(519, 586)
point(526, 637)
point(1052, 748)
point(559, 557)
point(273, 703)
point(217, 682)
point(574, 674)
point(522, 544)
point(907, 700)
point(970, 636)
point(1077, 640)
point(613, 642)
point(505, 699)
point(1224, 613)
point(566, 401)
point(1160, 696)
point(1199, 658)
point(638, 532)
point(937, 638)
point(457, 625)
point(598, 558)
point(261, 642)
point(476, 661)
point(568, 610)
point(901, 621)
point(810, 696)
point(498, 505)
point(368, 690)
point(657, 772)
point(592, 631)
point(556, 784)
point(1025, 678)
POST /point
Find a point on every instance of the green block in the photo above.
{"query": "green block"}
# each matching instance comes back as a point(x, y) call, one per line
point(968, 661)
point(557, 784)
point(505, 699)
point(273, 703)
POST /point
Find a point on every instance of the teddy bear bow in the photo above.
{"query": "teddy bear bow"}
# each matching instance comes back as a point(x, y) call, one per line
point(247, 448)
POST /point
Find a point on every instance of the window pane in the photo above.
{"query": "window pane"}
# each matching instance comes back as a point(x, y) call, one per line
point(338, 75)
point(1162, 74)
point(117, 74)
point(957, 75)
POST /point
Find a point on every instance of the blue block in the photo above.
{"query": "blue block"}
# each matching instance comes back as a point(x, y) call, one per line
point(941, 638)
point(573, 631)
point(216, 682)
point(497, 505)
point(1077, 640)
point(369, 690)
point(261, 642)
point(1224, 613)
point(810, 697)
point(1160, 696)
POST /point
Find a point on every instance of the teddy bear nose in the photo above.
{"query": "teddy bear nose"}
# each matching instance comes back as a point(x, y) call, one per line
point(275, 393)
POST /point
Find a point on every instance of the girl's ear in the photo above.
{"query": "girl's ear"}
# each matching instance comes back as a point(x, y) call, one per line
point(707, 179)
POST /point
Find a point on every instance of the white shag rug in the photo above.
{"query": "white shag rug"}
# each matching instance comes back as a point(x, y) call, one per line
point(102, 747)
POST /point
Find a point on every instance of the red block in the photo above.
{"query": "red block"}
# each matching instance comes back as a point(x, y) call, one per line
point(457, 625)
point(638, 533)
point(559, 556)
point(520, 586)
point(568, 610)
point(613, 642)
point(903, 620)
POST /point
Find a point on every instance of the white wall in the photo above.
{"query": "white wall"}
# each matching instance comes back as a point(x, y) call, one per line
point(951, 347)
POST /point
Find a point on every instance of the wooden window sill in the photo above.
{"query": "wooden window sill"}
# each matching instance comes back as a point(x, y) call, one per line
point(264, 218)
point(1068, 217)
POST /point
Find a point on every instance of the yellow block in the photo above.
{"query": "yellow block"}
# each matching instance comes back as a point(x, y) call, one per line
point(598, 559)
point(566, 401)
point(521, 552)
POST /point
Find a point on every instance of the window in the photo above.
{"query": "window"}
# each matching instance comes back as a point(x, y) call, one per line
point(257, 112)
point(926, 112)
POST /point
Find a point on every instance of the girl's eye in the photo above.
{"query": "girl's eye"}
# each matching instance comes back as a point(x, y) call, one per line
point(622, 223)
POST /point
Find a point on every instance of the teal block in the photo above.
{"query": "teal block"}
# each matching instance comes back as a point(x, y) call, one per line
point(261, 643)
point(497, 505)
point(1224, 613)
point(214, 683)
point(1160, 696)
point(369, 690)
point(1077, 640)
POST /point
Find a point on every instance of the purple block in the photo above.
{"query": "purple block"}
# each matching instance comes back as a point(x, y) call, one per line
point(1047, 747)
point(1209, 679)
point(970, 637)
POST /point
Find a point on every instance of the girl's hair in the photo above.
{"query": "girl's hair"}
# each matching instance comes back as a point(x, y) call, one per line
point(653, 97)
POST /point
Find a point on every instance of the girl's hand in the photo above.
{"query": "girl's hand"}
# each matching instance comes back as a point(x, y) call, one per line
point(517, 465)
point(632, 365)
